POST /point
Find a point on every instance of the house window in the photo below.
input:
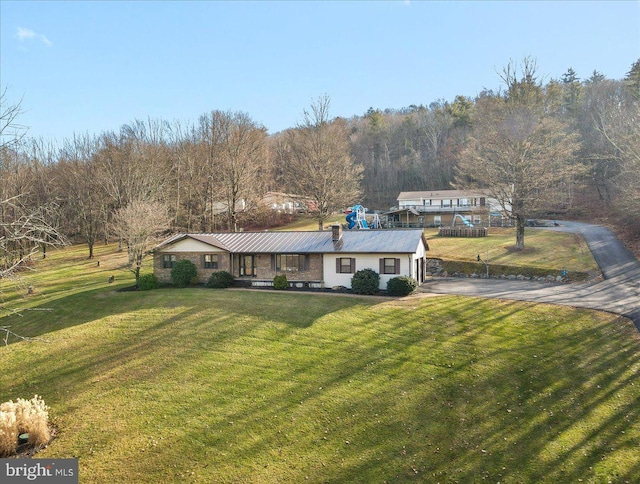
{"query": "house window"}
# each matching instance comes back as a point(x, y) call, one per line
point(169, 260)
point(389, 265)
point(477, 219)
point(211, 261)
point(247, 265)
point(446, 203)
point(345, 265)
point(290, 262)
point(437, 220)
point(464, 202)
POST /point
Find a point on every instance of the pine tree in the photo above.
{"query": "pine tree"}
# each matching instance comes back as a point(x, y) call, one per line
point(632, 80)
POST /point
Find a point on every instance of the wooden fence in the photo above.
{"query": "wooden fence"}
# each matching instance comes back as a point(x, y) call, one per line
point(462, 232)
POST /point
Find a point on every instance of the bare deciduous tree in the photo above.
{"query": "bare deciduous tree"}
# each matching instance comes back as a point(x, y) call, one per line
point(138, 224)
point(80, 182)
point(235, 149)
point(620, 126)
point(23, 231)
point(320, 165)
point(523, 156)
point(11, 132)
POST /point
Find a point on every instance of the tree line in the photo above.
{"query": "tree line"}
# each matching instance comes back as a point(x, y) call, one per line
point(566, 145)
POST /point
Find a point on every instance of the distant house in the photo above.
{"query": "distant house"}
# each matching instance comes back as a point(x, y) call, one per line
point(435, 208)
point(287, 203)
point(308, 259)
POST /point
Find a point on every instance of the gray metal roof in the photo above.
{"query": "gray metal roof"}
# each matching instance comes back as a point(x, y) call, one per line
point(402, 241)
point(438, 194)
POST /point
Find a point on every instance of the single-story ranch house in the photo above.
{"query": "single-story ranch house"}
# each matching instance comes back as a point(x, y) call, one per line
point(308, 259)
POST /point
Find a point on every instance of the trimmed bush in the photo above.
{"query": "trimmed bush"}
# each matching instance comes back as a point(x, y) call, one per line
point(365, 281)
point(401, 286)
point(220, 280)
point(183, 273)
point(280, 282)
point(148, 282)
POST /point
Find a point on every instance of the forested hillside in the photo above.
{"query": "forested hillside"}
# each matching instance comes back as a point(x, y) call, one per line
point(580, 135)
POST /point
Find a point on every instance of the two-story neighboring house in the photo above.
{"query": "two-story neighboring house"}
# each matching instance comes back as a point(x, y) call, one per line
point(436, 208)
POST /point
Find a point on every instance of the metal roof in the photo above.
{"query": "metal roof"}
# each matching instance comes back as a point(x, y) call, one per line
point(404, 241)
point(437, 194)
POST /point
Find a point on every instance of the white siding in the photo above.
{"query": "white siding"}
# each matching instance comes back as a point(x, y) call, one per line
point(410, 203)
point(369, 261)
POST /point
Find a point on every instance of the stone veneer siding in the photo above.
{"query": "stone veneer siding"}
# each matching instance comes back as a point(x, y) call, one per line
point(264, 271)
point(262, 262)
point(164, 275)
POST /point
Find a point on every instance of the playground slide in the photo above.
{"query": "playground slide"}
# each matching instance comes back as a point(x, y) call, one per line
point(464, 220)
point(351, 220)
point(356, 219)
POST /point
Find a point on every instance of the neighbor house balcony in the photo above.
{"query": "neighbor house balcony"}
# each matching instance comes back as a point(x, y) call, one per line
point(443, 208)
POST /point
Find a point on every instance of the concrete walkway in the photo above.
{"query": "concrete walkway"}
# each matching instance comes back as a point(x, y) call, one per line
point(618, 293)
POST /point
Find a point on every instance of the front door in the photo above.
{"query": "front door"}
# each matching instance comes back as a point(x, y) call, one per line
point(247, 265)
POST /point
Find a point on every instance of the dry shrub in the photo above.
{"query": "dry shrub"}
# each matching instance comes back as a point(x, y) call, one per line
point(23, 417)
point(32, 417)
point(8, 433)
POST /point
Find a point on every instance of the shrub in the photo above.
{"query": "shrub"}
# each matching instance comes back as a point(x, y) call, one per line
point(8, 433)
point(32, 417)
point(23, 417)
point(401, 286)
point(220, 280)
point(365, 281)
point(148, 282)
point(183, 273)
point(280, 282)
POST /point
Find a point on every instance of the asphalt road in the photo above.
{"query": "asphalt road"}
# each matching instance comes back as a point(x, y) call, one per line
point(618, 292)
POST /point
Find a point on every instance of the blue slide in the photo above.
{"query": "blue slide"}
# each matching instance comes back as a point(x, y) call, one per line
point(464, 220)
point(351, 220)
point(356, 218)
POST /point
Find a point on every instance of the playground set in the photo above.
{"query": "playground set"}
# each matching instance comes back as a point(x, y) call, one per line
point(357, 219)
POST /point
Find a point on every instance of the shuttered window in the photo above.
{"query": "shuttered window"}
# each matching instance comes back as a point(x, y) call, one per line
point(290, 262)
point(345, 265)
point(389, 265)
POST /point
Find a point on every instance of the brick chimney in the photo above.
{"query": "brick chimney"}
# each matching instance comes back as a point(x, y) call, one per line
point(336, 233)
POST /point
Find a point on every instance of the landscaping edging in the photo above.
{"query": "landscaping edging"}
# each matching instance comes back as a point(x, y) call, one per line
point(478, 270)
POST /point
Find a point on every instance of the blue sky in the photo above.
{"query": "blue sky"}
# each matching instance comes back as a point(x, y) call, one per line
point(93, 66)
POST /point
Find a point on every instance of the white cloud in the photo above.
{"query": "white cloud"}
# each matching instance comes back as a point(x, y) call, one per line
point(27, 34)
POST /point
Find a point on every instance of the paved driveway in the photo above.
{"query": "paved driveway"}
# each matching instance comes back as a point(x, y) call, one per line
point(618, 293)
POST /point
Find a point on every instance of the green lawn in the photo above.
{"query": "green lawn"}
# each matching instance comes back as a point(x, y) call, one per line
point(305, 222)
point(255, 386)
point(544, 249)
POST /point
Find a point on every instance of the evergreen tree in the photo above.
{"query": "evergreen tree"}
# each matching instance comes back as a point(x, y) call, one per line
point(572, 91)
point(595, 77)
point(632, 80)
